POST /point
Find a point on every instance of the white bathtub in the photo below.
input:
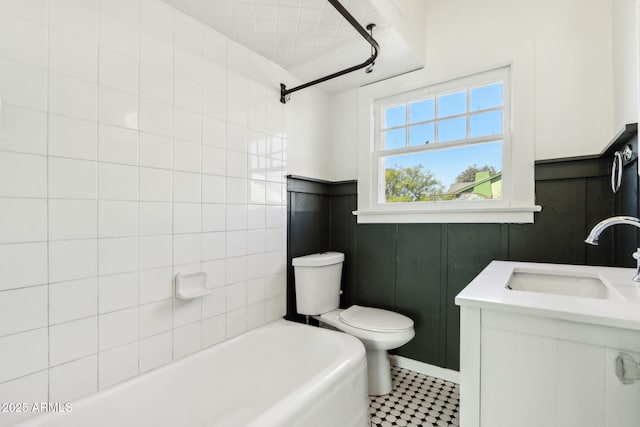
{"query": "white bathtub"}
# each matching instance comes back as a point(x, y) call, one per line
point(283, 374)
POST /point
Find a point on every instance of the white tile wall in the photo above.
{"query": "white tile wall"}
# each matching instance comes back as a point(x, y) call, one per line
point(23, 85)
point(23, 310)
point(23, 220)
point(72, 56)
point(118, 145)
point(73, 340)
point(72, 219)
point(30, 388)
point(73, 300)
point(72, 259)
point(117, 364)
point(72, 138)
point(187, 121)
point(117, 292)
point(155, 351)
point(23, 175)
point(62, 390)
point(23, 130)
point(132, 140)
point(23, 353)
point(187, 339)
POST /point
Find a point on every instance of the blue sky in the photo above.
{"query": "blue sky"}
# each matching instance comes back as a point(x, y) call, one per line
point(448, 163)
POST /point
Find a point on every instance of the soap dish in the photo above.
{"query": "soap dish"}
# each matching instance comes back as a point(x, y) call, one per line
point(191, 285)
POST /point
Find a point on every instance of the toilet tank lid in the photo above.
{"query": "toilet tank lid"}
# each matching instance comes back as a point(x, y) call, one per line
point(318, 260)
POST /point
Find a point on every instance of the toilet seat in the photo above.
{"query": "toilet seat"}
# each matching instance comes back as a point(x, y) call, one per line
point(375, 319)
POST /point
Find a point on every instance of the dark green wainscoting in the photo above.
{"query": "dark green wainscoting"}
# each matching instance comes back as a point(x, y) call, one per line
point(418, 269)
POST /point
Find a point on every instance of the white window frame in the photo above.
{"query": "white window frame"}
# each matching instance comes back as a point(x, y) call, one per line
point(494, 76)
point(518, 200)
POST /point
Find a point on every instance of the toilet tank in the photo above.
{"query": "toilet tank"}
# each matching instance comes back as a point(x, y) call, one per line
point(317, 279)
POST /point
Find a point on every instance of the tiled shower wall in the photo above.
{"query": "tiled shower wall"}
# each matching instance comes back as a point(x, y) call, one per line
point(135, 143)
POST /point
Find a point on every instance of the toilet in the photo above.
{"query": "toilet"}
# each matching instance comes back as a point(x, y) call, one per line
point(317, 279)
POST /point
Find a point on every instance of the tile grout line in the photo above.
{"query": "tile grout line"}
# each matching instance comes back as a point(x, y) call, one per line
point(173, 239)
point(138, 222)
point(98, 314)
point(47, 214)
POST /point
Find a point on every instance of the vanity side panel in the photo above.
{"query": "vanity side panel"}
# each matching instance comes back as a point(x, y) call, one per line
point(470, 324)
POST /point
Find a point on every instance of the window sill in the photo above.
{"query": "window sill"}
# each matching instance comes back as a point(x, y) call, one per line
point(519, 215)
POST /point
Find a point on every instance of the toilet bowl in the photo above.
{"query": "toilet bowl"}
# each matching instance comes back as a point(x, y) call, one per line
point(379, 330)
point(317, 284)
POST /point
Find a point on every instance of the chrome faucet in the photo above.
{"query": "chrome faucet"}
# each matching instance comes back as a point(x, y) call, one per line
point(593, 236)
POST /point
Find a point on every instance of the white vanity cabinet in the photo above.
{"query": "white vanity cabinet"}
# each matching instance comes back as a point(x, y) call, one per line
point(527, 366)
point(527, 371)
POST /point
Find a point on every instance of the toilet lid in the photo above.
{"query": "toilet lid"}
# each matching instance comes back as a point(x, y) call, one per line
point(375, 319)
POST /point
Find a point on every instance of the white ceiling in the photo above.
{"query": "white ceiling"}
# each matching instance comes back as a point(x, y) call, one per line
point(309, 38)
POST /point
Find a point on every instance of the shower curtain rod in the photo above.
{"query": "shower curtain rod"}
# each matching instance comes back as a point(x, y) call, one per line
point(285, 93)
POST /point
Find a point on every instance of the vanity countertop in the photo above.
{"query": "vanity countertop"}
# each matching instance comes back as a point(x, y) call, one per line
point(489, 291)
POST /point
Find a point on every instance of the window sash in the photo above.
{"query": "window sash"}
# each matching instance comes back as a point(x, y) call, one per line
point(381, 106)
point(381, 176)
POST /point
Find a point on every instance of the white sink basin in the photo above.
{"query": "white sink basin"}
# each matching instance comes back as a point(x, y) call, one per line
point(581, 293)
point(587, 285)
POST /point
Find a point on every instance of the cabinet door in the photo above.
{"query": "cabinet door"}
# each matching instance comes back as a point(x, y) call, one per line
point(531, 381)
point(581, 385)
point(518, 379)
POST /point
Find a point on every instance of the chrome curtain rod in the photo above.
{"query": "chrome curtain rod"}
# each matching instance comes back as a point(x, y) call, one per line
point(285, 93)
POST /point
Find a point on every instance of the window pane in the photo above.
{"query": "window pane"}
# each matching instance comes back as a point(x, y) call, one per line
point(421, 111)
point(472, 172)
point(489, 123)
point(396, 138)
point(452, 129)
point(395, 116)
point(486, 97)
point(422, 134)
point(454, 103)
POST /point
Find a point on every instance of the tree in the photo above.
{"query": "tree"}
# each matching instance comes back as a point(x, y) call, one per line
point(410, 184)
point(469, 174)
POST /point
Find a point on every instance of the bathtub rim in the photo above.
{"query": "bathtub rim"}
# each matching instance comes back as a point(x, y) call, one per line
point(350, 354)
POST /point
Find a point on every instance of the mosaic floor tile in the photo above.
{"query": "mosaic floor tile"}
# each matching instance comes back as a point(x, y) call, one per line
point(417, 400)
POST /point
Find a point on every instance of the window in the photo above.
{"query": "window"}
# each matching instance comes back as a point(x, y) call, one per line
point(442, 144)
point(445, 152)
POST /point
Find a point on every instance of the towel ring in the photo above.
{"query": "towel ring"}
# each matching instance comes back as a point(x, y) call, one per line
point(619, 158)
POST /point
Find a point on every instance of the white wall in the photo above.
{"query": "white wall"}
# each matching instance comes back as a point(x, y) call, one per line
point(625, 60)
point(406, 17)
point(135, 143)
point(344, 135)
point(309, 130)
point(574, 93)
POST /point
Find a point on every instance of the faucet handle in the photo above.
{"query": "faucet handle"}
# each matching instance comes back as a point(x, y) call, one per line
point(636, 256)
